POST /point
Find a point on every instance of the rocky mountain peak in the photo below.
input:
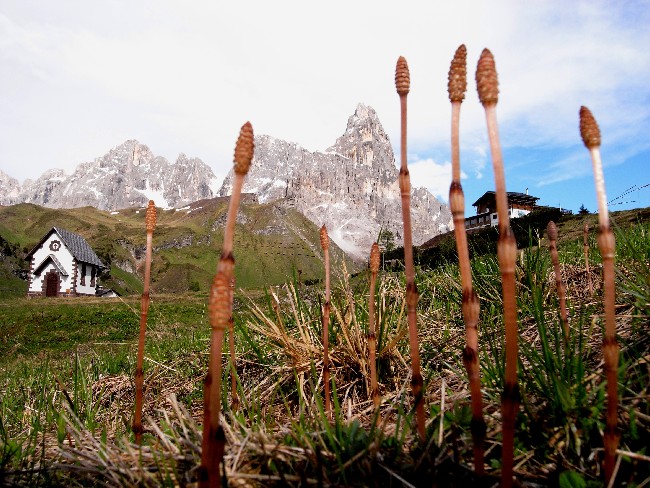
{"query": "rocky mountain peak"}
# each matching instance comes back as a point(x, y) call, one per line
point(352, 187)
point(365, 121)
point(9, 187)
point(127, 175)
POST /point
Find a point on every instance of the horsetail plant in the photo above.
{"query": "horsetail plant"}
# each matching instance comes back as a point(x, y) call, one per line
point(488, 91)
point(402, 85)
point(551, 231)
point(457, 86)
point(372, 335)
point(220, 313)
point(233, 363)
point(325, 244)
point(585, 243)
point(590, 133)
point(150, 223)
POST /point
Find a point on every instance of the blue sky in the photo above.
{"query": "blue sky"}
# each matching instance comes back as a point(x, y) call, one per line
point(81, 77)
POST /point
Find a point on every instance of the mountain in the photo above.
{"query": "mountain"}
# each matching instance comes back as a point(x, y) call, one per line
point(352, 187)
point(272, 243)
point(128, 175)
point(9, 189)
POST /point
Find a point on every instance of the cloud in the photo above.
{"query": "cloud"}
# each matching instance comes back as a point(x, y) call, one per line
point(187, 75)
point(436, 177)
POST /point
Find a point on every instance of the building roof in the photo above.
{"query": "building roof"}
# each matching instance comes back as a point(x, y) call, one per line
point(56, 262)
point(513, 197)
point(77, 245)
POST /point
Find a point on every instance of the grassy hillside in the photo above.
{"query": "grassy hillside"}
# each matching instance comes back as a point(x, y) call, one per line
point(272, 243)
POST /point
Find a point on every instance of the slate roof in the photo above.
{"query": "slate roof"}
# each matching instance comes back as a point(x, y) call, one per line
point(76, 244)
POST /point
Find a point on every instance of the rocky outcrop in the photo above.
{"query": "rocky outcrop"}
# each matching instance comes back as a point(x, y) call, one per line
point(128, 175)
point(352, 187)
point(9, 189)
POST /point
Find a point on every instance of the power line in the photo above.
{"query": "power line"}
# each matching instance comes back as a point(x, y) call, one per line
point(626, 192)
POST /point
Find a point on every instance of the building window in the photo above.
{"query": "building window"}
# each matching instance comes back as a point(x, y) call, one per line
point(92, 276)
point(83, 274)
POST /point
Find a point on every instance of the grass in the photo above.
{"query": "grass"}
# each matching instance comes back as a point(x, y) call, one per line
point(271, 242)
point(40, 327)
point(66, 393)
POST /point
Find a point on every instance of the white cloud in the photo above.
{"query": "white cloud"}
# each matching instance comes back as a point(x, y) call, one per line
point(436, 177)
point(184, 76)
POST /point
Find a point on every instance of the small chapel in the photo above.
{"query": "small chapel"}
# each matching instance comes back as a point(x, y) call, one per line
point(63, 264)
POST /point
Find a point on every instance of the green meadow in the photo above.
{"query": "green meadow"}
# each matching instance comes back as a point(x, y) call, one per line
point(67, 367)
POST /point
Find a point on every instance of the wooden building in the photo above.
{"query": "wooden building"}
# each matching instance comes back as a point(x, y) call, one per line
point(519, 204)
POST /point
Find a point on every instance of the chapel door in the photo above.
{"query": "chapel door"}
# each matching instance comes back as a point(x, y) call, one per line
point(52, 285)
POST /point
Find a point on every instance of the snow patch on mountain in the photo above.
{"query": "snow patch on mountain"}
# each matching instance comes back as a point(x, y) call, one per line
point(157, 195)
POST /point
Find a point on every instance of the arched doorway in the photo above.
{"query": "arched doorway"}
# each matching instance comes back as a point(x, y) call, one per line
point(52, 284)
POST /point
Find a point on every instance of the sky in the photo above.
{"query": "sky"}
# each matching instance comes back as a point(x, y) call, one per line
point(80, 77)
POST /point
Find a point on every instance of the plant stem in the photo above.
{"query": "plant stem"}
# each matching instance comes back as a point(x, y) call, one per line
point(150, 222)
point(325, 244)
point(487, 84)
point(590, 133)
point(470, 306)
point(585, 238)
point(220, 312)
point(372, 335)
point(233, 360)
point(551, 230)
point(402, 84)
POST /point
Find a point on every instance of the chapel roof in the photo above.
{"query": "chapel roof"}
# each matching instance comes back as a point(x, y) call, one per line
point(77, 245)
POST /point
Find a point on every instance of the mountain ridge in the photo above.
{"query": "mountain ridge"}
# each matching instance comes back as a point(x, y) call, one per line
point(127, 175)
point(352, 187)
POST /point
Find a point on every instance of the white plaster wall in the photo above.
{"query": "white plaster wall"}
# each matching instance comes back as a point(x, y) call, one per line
point(513, 213)
point(65, 258)
point(86, 289)
point(518, 212)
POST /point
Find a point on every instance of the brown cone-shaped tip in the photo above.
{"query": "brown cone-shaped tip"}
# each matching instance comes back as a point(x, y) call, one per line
point(402, 76)
point(551, 230)
point(244, 149)
point(150, 219)
point(457, 84)
point(374, 257)
point(589, 130)
point(487, 82)
point(219, 309)
point(324, 239)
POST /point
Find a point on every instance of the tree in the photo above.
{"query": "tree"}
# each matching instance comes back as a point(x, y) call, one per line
point(386, 240)
point(583, 210)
